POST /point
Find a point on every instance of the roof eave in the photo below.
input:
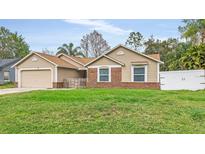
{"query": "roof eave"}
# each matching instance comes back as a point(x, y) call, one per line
point(67, 67)
point(114, 60)
point(110, 58)
point(18, 62)
point(147, 56)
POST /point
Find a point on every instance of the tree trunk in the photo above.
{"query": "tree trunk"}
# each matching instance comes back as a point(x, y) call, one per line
point(203, 37)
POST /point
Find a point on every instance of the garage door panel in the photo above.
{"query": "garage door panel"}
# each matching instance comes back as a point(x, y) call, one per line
point(36, 79)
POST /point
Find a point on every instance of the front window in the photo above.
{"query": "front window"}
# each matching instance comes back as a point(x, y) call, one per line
point(104, 75)
point(139, 74)
point(6, 76)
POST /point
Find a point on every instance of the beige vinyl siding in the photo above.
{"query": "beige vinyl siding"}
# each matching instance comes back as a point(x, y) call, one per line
point(64, 73)
point(103, 61)
point(28, 63)
point(129, 58)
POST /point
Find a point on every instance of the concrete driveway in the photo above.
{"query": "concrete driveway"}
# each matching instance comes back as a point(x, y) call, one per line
point(18, 90)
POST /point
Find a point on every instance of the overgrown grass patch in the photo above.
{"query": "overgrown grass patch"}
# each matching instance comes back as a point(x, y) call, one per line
point(7, 85)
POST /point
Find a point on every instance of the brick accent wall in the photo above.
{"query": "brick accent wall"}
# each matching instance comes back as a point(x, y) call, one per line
point(57, 84)
point(116, 81)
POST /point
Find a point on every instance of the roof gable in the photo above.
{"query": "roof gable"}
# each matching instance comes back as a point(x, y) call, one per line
point(108, 58)
point(49, 58)
point(113, 49)
point(152, 57)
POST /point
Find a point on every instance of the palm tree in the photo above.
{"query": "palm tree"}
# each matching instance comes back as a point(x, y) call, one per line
point(69, 49)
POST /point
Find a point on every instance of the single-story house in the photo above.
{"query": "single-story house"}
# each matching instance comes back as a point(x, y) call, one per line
point(119, 67)
point(7, 74)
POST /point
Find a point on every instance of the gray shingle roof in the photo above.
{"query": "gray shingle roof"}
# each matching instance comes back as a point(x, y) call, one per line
point(5, 62)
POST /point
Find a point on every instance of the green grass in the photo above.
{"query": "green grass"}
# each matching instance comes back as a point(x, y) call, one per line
point(103, 111)
point(7, 85)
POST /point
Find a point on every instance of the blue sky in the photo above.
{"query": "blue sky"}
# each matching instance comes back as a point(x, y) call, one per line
point(50, 34)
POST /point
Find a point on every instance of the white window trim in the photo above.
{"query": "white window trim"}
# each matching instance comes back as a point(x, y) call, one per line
point(138, 66)
point(98, 73)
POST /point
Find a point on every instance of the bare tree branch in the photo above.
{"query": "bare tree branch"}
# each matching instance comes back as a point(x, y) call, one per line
point(93, 44)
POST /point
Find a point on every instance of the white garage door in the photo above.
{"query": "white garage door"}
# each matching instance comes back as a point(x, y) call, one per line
point(179, 80)
point(36, 79)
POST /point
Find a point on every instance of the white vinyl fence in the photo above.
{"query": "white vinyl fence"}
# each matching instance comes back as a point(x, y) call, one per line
point(182, 80)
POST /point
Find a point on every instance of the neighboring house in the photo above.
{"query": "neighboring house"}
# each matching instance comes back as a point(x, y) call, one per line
point(119, 67)
point(7, 74)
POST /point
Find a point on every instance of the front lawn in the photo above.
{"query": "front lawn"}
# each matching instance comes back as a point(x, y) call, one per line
point(103, 111)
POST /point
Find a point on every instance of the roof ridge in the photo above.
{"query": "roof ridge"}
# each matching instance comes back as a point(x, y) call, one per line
point(45, 54)
point(80, 57)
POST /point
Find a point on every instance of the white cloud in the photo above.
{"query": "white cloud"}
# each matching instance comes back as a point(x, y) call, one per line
point(100, 25)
